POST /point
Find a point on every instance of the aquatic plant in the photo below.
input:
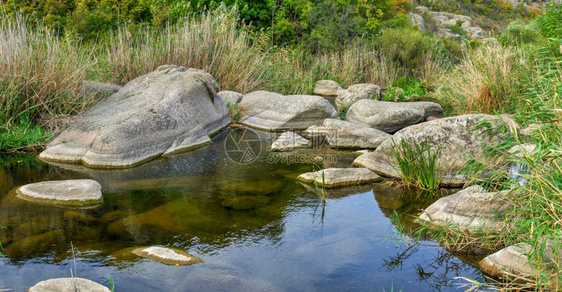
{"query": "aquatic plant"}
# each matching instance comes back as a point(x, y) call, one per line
point(418, 164)
point(321, 190)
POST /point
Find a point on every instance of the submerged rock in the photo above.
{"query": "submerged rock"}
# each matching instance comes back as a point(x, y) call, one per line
point(472, 209)
point(41, 243)
point(340, 177)
point(256, 188)
point(342, 134)
point(68, 285)
point(356, 92)
point(246, 202)
point(327, 88)
point(289, 141)
point(454, 137)
point(391, 116)
point(272, 111)
point(75, 193)
point(168, 110)
point(168, 256)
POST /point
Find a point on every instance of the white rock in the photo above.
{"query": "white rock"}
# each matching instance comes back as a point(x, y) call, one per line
point(78, 193)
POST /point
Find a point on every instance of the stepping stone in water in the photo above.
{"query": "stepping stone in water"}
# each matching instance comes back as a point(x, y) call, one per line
point(167, 256)
point(68, 285)
point(73, 193)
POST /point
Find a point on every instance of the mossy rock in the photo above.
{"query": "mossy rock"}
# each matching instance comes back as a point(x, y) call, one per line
point(79, 217)
point(114, 216)
point(40, 243)
point(245, 202)
point(256, 188)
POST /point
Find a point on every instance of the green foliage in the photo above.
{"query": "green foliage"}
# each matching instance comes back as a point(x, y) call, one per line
point(22, 134)
point(406, 88)
point(408, 47)
point(418, 164)
point(235, 110)
point(550, 23)
point(518, 33)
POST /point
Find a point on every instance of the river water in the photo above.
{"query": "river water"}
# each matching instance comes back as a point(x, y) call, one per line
point(255, 227)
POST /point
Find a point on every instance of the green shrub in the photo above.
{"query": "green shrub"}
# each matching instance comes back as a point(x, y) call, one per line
point(408, 47)
point(518, 33)
point(550, 23)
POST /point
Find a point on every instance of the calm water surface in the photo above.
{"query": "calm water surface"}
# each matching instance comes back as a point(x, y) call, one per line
point(255, 227)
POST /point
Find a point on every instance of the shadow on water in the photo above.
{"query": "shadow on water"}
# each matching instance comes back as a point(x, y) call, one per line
point(253, 224)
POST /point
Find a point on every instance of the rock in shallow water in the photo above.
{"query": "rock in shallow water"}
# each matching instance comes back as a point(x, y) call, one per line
point(75, 193)
point(289, 141)
point(342, 134)
point(245, 202)
point(340, 177)
point(455, 138)
point(472, 209)
point(168, 110)
point(272, 111)
point(168, 256)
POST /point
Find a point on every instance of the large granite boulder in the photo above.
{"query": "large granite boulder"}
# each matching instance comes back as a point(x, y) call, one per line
point(391, 116)
point(473, 210)
point(356, 92)
point(168, 110)
point(327, 88)
point(272, 111)
point(77, 193)
point(340, 177)
point(455, 138)
point(342, 134)
point(68, 285)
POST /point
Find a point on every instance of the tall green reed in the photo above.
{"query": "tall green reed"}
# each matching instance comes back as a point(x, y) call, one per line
point(418, 164)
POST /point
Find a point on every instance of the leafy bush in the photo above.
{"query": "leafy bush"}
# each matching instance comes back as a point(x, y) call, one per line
point(518, 33)
point(405, 46)
point(550, 23)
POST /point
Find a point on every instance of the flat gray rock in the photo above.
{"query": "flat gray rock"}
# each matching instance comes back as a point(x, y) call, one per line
point(391, 116)
point(327, 88)
point(289, 141)
point(356, 92)
point(272, 111)
point(77, 193)
point(340, 177)
point(68, 285)
point(472, 209)
point(342, 134)
point(168, 256)
point(168, 110)
point(455, 138)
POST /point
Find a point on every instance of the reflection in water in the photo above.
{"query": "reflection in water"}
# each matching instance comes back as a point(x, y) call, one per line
point(255, 227)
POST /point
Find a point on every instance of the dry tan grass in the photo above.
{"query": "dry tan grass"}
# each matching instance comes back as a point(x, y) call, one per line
point(212, 42)
point(487, 80)
point(40, 75)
